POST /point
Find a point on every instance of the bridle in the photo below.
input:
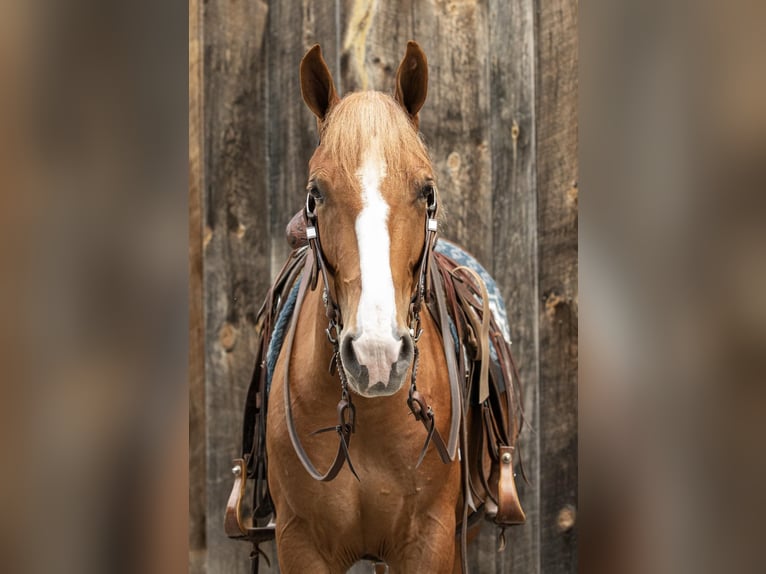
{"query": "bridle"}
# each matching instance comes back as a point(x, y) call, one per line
point(331, 307)
point(316, 264)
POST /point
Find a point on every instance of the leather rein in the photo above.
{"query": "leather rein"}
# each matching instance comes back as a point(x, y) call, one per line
point(346, 412)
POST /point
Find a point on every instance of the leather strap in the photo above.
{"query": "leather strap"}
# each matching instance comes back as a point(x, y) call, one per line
point(452, 367)
point(467, 500)
point(425, 414)
point(345, 425)
point(482, 331)
point(269, 311)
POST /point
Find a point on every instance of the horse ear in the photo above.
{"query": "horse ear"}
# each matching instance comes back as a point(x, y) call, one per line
point(317, 86)
point(412, 81)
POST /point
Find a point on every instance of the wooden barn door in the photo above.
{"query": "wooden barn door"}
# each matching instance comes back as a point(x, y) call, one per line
point(501, 125)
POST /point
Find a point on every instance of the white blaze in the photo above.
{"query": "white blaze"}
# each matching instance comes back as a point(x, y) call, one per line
point(376, 347)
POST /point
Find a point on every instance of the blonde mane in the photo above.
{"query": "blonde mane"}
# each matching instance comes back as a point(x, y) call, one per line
point(361, 117)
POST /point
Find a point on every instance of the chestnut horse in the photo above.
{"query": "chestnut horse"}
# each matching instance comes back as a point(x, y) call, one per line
point(370, 189)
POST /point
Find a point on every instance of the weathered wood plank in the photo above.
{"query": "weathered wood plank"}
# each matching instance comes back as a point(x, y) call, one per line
point(291, 128)
point(455, 119)
point(557, 263)
point(514, 217)
point(196, 315)
point(374, 36)
point(236, 264)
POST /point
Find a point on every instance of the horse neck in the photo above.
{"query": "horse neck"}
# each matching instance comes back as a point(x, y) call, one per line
point(314, 346)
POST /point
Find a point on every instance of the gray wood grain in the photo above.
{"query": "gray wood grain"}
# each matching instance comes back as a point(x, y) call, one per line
point(455, 120)
point(290, 132)
point(373, 38)
point(557, 268)
point(514, 233)
point(236, 266)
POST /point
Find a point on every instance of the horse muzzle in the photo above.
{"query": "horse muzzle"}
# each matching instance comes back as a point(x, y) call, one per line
point(376, 366)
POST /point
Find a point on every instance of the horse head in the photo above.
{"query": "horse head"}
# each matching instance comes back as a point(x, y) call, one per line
point(371, 181)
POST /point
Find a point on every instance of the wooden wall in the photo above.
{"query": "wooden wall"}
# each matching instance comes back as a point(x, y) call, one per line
point(501, 124)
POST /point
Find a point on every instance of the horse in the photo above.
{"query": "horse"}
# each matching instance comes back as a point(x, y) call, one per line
point(362, 348)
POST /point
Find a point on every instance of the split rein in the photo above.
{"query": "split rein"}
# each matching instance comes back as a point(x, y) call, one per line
point(346, 412)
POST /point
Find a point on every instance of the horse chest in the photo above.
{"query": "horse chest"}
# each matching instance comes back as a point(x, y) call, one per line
point(384, 450)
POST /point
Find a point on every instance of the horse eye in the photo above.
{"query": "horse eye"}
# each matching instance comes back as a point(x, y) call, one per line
point(427, 191)
point(314, 192)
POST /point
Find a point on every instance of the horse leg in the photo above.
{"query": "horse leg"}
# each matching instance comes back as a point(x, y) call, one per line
point(433, 548)
point(298, 554)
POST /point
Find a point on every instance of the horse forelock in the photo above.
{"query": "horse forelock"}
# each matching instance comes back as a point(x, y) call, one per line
point(361, 117)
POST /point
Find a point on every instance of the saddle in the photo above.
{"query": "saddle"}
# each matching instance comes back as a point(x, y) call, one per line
point(480, 365)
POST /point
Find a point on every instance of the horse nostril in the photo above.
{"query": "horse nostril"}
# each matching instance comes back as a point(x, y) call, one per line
point(351, 364)
point(407, 349)
point(347, 353)
point(404, 360)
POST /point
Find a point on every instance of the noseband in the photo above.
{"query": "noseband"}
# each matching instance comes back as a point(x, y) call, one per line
point(316, 264)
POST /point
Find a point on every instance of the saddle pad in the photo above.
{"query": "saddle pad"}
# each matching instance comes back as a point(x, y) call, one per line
point(459, 255)
point(278, 335)
point(496, 303)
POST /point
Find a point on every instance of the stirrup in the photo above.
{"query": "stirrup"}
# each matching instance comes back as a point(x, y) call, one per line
point(235, 524)
point(509, 509)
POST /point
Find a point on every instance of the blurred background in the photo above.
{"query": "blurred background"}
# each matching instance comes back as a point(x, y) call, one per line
point(93, 294)
point(672, 253)
point(500, 122)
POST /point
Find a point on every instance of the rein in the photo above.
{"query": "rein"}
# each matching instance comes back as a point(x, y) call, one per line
point(316, 265)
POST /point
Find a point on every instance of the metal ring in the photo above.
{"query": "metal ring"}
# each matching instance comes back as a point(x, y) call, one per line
point(431, 201)
point(311, 206)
